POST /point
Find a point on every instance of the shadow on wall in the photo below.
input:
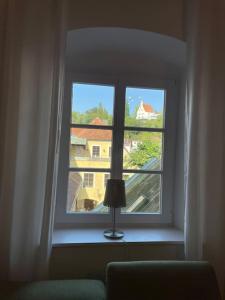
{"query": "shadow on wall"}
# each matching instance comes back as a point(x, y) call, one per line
point(165, 17)
point(121, 51)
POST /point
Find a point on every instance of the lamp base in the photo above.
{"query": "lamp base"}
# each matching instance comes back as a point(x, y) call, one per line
point(113, 234)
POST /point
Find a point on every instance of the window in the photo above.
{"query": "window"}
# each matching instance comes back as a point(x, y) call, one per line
point(88, 180)
point(95, 151)
point(118, 130)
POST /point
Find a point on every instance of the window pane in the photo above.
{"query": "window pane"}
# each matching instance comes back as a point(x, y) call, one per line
point(144, 107)
point(143, 193)
point(86, 191)
point(142, 150)
point(88, 180)
point(92, 104)
point(89, 148)
point(95, 151)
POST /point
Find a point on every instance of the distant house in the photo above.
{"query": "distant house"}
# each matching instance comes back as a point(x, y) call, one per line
point(89, 148)
point(146, 112)
point(129, 145)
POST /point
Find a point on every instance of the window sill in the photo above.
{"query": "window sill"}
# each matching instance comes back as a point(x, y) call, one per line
point(72, 237)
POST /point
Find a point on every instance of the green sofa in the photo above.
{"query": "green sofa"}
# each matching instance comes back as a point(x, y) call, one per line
point(161, 280)
point(150, 280)
point(80, 289)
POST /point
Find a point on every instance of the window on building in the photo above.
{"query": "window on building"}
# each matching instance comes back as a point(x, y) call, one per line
point(95, 151)
point(133, 124)
point(88, 181)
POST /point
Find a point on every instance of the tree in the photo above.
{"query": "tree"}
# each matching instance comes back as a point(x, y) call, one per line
point(155, 123)
point(77, 117)
point(130, 119)
point(135, 111)
point(127, 109)
point(89, 115)
point(97, 112)
point(145, 151)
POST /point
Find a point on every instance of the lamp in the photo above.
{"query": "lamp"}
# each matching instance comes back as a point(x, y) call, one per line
point(114, 198)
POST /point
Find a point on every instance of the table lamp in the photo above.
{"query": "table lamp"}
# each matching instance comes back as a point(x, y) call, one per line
point(114, 197)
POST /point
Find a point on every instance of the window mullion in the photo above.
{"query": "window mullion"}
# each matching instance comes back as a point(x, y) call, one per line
point(118, 131)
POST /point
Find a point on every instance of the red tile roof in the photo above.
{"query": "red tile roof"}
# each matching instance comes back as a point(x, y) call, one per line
point(92, 134)
point(97, 121)
point(148, 108)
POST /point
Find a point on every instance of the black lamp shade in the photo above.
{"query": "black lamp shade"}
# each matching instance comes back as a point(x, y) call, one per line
point(115, 193)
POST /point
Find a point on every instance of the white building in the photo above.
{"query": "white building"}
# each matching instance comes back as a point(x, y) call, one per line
point(146, 112)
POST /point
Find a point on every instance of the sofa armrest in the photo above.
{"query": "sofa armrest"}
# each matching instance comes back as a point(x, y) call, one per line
point(160, 280)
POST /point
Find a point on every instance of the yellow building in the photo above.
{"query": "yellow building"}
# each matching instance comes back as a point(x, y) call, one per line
point(90, 148)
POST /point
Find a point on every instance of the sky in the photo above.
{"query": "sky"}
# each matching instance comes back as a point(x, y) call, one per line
point(87, 96)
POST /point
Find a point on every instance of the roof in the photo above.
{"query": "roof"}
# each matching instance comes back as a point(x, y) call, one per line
point(78, 141)
point(92, 134)
point(97, 121)
point(148, 108)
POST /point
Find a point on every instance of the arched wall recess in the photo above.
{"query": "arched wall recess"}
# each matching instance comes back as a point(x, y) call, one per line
point(122, 51)
point(165, 17)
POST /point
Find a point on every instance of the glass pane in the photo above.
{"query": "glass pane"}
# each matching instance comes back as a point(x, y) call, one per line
point(143, 193)
point(142, 150)
point(144, 107)
point(86, 191)
point(92, 104)
point(90, 148)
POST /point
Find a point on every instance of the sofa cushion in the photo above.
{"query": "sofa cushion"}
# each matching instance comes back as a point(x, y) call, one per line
point(160, 280)
point(61, 290)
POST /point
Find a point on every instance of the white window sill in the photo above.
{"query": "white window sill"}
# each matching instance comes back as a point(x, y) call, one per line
point(79, 236)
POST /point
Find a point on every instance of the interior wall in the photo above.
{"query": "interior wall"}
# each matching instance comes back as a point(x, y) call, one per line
point(124, 53)
point(162, 16)
point(2, 106)
point(179, 189)
point(89, 261)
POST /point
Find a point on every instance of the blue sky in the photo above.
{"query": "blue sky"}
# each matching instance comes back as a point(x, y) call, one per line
point(87, 96)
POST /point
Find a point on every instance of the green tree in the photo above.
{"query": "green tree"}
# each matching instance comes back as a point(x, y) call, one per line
point(145, 151)
point(97, 112)
point(135, 111)
point(127, 109)
point(77, 117)
point(156, 123)
point(130, 119)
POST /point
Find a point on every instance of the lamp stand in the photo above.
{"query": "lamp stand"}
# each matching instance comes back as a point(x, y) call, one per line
point(113, 234)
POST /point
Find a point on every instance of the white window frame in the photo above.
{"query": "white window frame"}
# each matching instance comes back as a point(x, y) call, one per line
point(168, 179)
point(93, 150)
point(93, 183)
